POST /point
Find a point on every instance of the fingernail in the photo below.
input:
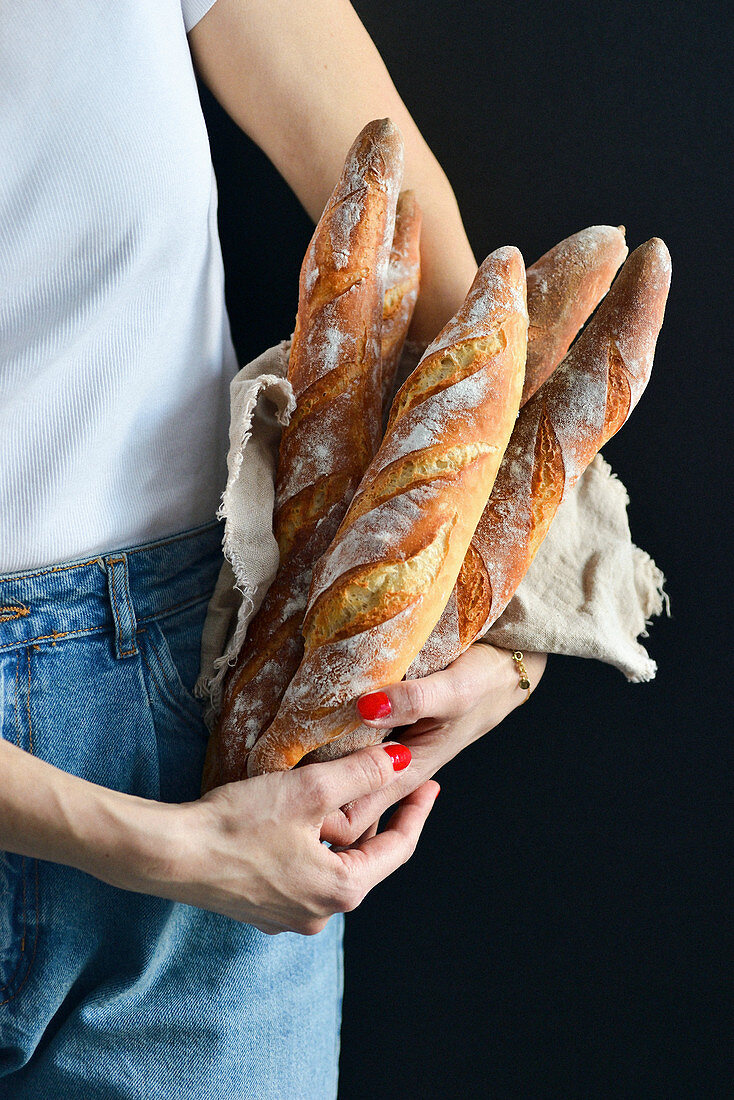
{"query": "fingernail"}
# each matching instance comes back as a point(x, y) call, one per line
point(438, 791)
point(400, 756)
point(376, 705)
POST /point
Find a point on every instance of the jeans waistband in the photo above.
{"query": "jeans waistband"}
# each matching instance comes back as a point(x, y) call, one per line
point(114, 591)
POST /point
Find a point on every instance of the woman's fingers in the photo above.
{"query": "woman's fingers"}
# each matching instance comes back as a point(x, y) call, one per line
point(370, 831)
point(372, 859)
point(323, 788)
point(481, 675)
point(442, 696)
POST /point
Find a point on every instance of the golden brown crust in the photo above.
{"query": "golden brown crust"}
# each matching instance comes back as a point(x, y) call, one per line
point(256, 683)
point(546, 481)
point(385, 579)
point(584, 402)
point(335, 371)
point(473, 592)
point(403, 281)
point(564, 288)
point(560, 298)
point(619, 395)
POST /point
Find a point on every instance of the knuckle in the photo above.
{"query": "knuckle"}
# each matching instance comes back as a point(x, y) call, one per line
point(316, 786)
point(461, 690)
point(349, 900)
point(374, 769)
point(312, 926)
point(345, 894)
point(415, 698)
point(349, 827)
point(341, 833)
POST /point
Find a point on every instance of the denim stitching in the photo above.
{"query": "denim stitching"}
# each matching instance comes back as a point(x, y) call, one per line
point(56, 634)
point(125, 652)
point(92, 629)
point(14, 611)
point(133, 621)
point(121, 652)
point(42, 572)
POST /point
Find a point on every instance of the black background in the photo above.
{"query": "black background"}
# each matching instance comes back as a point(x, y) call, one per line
point(557, 933)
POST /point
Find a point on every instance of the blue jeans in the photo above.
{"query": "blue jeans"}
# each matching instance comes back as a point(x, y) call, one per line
point(104, 992)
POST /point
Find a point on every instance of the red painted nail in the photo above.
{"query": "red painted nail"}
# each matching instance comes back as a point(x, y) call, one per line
point(376, 705)
point(438, 791)
point(400, 756)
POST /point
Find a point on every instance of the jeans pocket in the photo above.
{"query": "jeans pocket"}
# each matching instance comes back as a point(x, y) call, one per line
point(171, 647)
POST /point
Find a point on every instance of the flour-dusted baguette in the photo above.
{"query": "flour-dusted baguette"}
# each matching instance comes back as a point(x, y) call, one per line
point(584, 402)
point(379, 590)
point(403, 280)
point(564, 288)
point(335, 370)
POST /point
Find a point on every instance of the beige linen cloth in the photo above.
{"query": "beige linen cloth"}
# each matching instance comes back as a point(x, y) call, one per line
point(588, 593)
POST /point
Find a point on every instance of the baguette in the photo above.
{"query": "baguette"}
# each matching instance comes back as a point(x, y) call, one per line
point(581, 406)
point(379, 590)
point(335, 371)
point(403, 280)
point(558, 432)
point(564, 288)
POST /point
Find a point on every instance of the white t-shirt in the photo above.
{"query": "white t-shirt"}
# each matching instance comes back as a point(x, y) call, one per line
point(115, 347)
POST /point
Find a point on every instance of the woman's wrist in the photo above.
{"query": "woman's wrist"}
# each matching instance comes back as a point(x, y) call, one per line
point(134, 843)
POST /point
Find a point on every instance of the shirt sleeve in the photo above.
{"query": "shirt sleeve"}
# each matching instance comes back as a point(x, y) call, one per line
point(194, 10)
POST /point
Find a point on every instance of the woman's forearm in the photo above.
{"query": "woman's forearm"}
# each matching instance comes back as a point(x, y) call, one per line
point(302, 80)
point(48, 814)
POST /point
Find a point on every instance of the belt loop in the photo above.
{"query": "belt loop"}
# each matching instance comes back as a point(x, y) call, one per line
point(122, 607)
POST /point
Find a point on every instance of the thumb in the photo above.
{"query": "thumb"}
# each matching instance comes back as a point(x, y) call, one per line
point(327, 786)
point(442, 696)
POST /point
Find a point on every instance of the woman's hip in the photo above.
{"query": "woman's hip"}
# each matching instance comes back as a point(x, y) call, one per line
point(103, 991)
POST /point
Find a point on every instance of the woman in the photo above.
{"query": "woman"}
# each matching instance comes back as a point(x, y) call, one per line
point(137, 920)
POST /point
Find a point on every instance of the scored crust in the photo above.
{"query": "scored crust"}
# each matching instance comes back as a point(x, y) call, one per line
point(580, 407)
point(584, 402)
point(335, 371)
point(378, 591)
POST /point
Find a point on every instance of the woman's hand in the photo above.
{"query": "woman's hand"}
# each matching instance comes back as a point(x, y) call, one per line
point(441, 715)
point(252, 849)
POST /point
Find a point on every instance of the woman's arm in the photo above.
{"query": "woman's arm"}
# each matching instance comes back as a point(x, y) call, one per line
point(250, 850)
point(302, 79)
